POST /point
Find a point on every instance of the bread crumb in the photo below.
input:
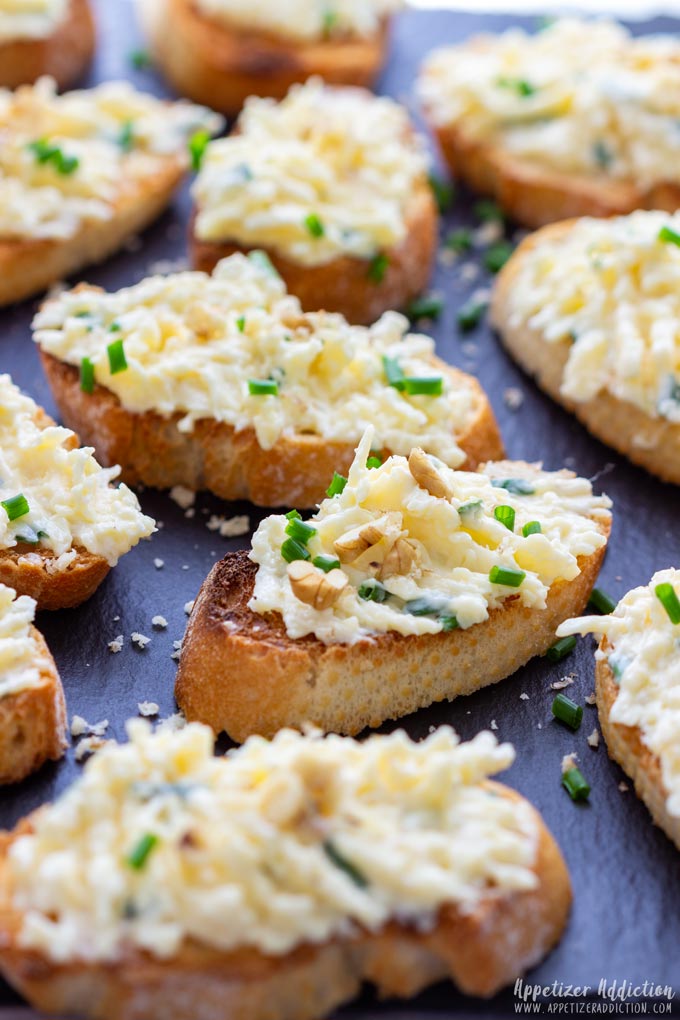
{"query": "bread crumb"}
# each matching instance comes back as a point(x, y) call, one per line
point(158, 564)
point(591, 699)
point(488, 233)
point(80, 726)
point(494, 724)
point(540, 726)
point(188, 606)
point(190, 513)
point(117, 644)
point(565, 681)
point(523, 696)
point(139, 639)
point(228, 527)
point(116, 619)
point(159, 621)
point(185, 566)
point(623, 787)
point(469, 272)
point(163, 267)
point(569, 762)
point(446, 257)
point(88, 746)
point(594, 740)
point(513, 398)
point(147, 708)
point(182, 496)
point(172, 723)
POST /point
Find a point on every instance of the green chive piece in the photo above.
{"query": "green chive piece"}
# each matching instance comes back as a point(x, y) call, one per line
point(326, 563)
point(575, 784)
point(16, 506)
point(115, 327)
point(300, 530)
point(470, 507)
point(443, 191)
point(517, 486)
point(241, 323)
point(509, 576)
point(139, 854)
point(117, 359)
point(374, 462)
point(668, 598)
point(506, 516)
point(602, 154)
point(337, 485)
point(393, 372)
point(330, 20)
point(343, 864)
point(260, 259)
point(426, 307)
point(140, 59)
point(293, 515)
point(521, 86)
point(488, 211)
point(432, 386)
point(378, 267)
point(126, 138)
point(496, 255)
point(294, 550)
point(87, 375)
point(459, 240)
point(532, 528)
point(448, 621)
point(670, 236)
point(567, 711)
point(372, 591)
point(601, 602)
point(314, 225)
point(44, 152)
point(565, 646)
point(470, 315)
point(421, 607)
point(197, 145)
point(263, 387)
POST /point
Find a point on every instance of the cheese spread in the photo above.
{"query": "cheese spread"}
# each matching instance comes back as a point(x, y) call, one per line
point(302, 21)
point(30, 19)
point(20, 660)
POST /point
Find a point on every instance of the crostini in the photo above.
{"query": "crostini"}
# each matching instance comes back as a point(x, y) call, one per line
point(412, 584)
point(275, 881)
point(221, 382)
point(82, 172)
point(332, 183)
point(32, 707)
point(38, 37)
point(577, 120)
point(637, 684)
point(219, 52)
point(63, 525)
point(590, 308)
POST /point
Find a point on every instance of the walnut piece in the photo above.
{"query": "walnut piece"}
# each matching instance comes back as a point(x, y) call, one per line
point(401, 558)
point(313, 587)
point(426, 475)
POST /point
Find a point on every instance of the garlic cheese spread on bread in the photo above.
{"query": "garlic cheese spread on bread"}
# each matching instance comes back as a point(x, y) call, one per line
point(302, 20)
point(584, 98)
point(30, 19)
point(236, 348)
point(324, 173)
point(20, 656)
point(70, 159)
point(296, 840)
point(414, 547)
point(54, 495)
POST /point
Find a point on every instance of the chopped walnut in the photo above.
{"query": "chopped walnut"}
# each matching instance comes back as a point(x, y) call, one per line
point(313, 587)
point(426, 475)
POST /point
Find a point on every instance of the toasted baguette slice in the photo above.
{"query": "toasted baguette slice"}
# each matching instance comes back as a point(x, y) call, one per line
point(345, 285)
point(33, 721)
point(65, 55)
point(652, 443)
point(295, 471)
point(220, 66)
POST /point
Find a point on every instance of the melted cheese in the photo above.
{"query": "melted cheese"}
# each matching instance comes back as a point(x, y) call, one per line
point(30, 19)
point(302, 20)
point(193, 341)
point(20, 659)
point(70, 497)
point(113, 136)
point(581, 97)
point(610, 291)
point(248, 848)
point(344, 157)
point(644, 655)
point(455, 552)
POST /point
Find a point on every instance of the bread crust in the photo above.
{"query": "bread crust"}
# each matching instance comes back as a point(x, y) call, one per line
point(65, 55)
point(534, 195)
point(652, 443)
point(481, 951)
point(28, 265)
point(296, 471)
point(240, 672)
point(626, 746)
point(33, 721)
point(343, 285)
point(220, 66)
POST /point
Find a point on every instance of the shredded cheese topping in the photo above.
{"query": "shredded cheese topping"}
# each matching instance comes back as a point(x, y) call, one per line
point(193, 342)
point(610, 290)
point(644, 656)
point(303, 20)
point(326, 172)
point(66, 160)
point(296, 840)
point(30, 19)
point(431, 554)
point(20, 659)
point(71, 502)
point(581, 97)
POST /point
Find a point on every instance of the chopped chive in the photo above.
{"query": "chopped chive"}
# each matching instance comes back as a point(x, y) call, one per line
point(470, 507)
point(669, 600)
point(28, 536)
point(427, 307)
point(293, 515)
point(139, 854)
point(197, 145)
point(532, 528)
point(263, 387)
point(260, 259)
point(393, 372)
point(602, 154)
point(509, 576)
point(496, 255)
point(300, 530)
point(505, 515)
point(326, 563)
point(601, 602)
point(343, 864)
point(671, 236)
point(293, 550)
point(575, 784)
point(459, 240)
point(488, 211)
point(517, 486)
point(16, 506)
point(443, 191)
point(372, 591)
point(126, 138)
point(470, 315)
point(140, 59)
point(567, 711)
point(115, 327)
point(448, 621)
point(374, 462)
point(521, 86)
point(421, 607)
point(314, 225)
point(565, 646)
point(87, 375)
point(337, 485)
point(44, 152)
point(330, 20)
point(117, 359)
point(241, 323)
point(432, 386)
point(378, 267)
